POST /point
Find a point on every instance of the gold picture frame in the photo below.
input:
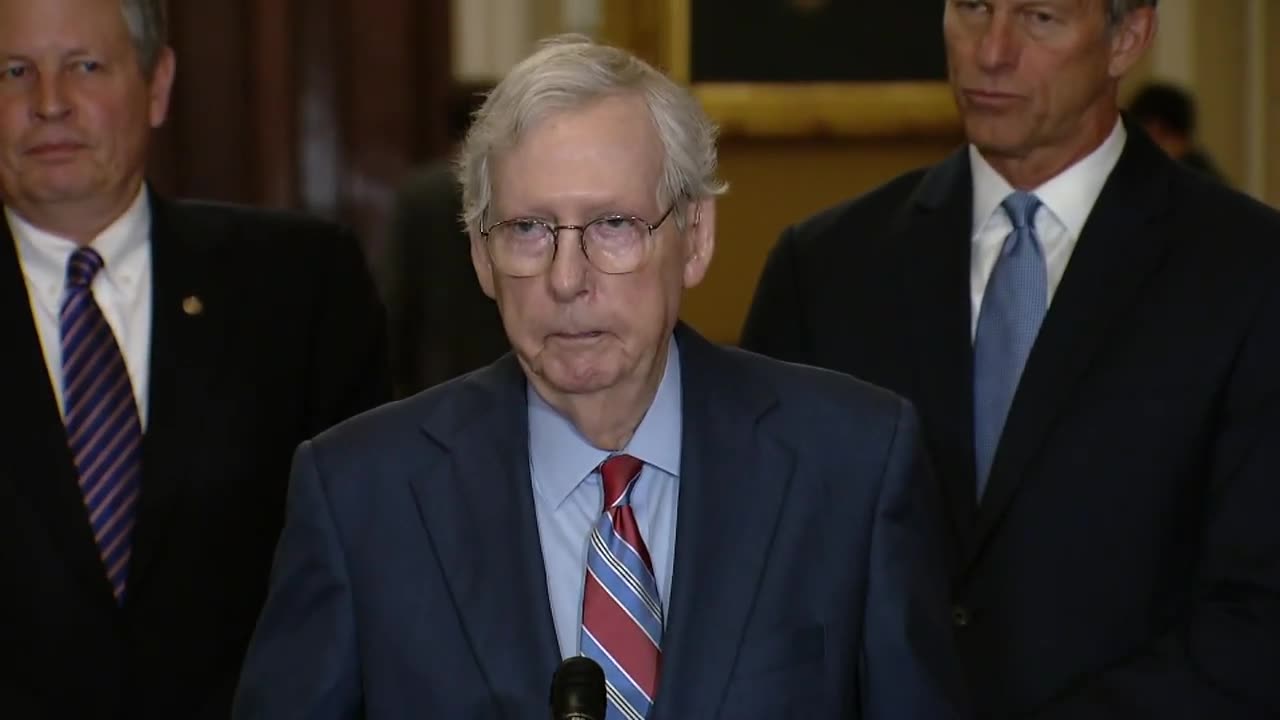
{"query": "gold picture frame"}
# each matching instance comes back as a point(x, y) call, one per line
point(661, 31)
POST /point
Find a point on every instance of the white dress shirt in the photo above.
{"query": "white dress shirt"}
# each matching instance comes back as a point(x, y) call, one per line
point(1067, 199)
point(122, 289)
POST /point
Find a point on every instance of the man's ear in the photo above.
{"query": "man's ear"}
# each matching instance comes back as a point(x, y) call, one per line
point(700, 239)
point(481, 262)
point(1130, 39)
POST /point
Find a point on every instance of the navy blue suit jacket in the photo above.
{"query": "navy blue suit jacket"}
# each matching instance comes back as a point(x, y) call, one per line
point(807, 582)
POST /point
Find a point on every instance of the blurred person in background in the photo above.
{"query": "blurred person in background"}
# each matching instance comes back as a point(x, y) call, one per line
point(441, 323)
point(1168, 114)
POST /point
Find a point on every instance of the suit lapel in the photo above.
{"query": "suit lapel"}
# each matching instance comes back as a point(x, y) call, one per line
point(36, 455)
point(733, 485)
point(1113, 258)
point(478, 509)
point(187, 315)
point(934, 233)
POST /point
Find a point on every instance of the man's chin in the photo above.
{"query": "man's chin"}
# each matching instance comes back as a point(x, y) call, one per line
point(579, 382)
point(59, 191)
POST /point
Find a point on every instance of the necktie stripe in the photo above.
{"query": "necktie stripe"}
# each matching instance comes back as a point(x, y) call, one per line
point(113, 519)
point(620, 703)
point(625, 687)
point(107, 501)
point(99, 360)
point(639, 612)
point(86, 346)
point(618, 553)
point(618, 633)
point(104, 432)
point(104, 476)
point(616, 537)
point(108, 504)
point(117, 570)
point(104, 438)
point(622, 584)
point(95, 461)
point(80, 334)
point(92, 400)
point(115, 556)
point(632, 639)
point(125, 461)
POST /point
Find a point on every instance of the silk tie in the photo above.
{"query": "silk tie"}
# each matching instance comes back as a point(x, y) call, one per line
point(621, 608)
point(103, 429)
point(1013, 307)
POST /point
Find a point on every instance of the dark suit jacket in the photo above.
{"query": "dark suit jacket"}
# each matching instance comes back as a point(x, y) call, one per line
point(1125, 561)
point(409, 579)
point(442, 325)
point(289, 341)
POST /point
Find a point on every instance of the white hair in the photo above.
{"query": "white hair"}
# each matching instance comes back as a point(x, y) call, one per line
point(147, 29)
point(569, 72)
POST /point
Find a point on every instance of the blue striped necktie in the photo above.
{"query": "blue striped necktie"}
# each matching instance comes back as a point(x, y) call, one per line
point(1013, 306)
point(103, 429)
point(621, 608)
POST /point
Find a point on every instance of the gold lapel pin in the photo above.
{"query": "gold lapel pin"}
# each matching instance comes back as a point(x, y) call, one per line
point(192, 305)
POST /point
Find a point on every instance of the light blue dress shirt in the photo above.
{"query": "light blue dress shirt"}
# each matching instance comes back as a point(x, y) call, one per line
point(568, 499)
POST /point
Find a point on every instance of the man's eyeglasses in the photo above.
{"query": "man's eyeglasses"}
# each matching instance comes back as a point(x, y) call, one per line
point(613, 244)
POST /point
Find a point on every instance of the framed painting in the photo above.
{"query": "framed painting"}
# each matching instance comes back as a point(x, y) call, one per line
point(811, 68)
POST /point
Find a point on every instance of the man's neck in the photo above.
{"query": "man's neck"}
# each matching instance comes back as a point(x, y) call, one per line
point(1033, 169)
point(608, 418)
point(80, 222)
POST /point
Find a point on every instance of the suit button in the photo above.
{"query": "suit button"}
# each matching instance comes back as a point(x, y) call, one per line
point(960, 616)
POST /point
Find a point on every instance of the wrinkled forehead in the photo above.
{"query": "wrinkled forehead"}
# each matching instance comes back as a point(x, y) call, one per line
point(605, 153)
point(40, 28)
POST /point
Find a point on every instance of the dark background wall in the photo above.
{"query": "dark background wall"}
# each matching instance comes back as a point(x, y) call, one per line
point(321, 105)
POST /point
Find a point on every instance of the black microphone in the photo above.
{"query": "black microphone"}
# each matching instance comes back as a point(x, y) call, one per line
point(577, 690)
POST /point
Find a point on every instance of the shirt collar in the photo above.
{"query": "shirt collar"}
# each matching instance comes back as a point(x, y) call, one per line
point(1070, 195)
point(562, 458)
point(122, 244)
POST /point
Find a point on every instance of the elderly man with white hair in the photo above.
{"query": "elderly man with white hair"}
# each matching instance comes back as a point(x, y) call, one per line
point(727, 536)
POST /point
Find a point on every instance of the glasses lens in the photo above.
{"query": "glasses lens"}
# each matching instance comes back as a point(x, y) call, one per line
point(521, 247)
point(616, 244)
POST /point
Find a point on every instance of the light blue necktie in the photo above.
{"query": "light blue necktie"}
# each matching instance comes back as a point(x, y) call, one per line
point(1013, 307)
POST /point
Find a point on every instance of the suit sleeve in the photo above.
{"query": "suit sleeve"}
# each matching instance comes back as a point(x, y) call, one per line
point(302, 661)
point(910, 667)
point(1224, 660)
point(350, 369)
point(776, 322)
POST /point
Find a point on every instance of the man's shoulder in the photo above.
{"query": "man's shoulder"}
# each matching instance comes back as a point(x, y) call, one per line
point(809, 396)
point(1241, 229)
point(874, 209)
point(1197, 193)
point(232, 222)
point(383, 432)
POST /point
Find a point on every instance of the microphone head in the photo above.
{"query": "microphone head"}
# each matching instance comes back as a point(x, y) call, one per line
point(577, 690)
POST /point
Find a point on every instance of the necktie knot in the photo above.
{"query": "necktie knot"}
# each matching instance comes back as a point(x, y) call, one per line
point(82, 267)
point(619, 474)
point(1021, 208)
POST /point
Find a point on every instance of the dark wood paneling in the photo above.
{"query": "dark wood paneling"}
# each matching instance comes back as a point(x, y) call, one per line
point(321, 105)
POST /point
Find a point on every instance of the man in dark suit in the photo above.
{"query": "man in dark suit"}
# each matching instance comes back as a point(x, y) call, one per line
point(1114, 549)
point(162, 361)
point(726, 535)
